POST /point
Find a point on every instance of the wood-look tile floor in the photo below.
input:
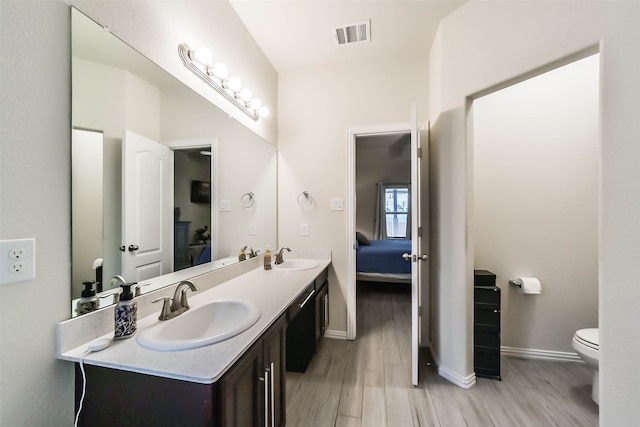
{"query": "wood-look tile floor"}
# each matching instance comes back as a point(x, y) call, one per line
point(367, 382)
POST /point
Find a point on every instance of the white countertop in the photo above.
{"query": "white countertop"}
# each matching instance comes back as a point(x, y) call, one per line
point(273, 291)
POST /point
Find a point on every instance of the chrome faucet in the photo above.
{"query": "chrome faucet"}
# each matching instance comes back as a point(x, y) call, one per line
point(279, 259)
point(177, 305)
point(251, 253)
point(117, 278)
point(116, 295)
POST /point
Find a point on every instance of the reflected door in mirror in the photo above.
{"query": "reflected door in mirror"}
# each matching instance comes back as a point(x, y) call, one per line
point(148, 208)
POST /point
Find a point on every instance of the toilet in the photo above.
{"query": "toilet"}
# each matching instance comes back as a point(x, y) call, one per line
point(586, 342)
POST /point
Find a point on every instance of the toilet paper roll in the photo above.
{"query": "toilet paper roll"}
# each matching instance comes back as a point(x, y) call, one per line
point(528, 285)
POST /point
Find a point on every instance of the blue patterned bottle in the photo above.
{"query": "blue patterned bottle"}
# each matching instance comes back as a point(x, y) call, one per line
point(126, 314)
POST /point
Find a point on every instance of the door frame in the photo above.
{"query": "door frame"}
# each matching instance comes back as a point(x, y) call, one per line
point(352, 134)
point(211, 144)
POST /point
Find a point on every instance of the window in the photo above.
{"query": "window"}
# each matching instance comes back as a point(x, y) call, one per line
point(396, 211)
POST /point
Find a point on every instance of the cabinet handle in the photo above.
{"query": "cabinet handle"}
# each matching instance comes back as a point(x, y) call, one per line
point(496, 311)
point(308, 298)
point(273, 403)
point(266, 397)
point(325, 303)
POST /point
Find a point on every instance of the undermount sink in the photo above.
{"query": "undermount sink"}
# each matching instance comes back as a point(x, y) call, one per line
point(202, 326)
point(297, 264)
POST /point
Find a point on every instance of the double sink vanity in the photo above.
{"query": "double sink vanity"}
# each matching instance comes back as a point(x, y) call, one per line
point(221, 363)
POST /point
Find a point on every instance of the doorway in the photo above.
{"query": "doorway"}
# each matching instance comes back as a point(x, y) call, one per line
point(192, 206)
point(536, 156)
point(417, 255)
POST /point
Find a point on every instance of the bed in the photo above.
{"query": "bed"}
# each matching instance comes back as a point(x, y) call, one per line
point(381, 261)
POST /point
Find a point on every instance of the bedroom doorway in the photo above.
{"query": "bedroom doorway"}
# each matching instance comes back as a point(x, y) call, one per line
point(385, 208)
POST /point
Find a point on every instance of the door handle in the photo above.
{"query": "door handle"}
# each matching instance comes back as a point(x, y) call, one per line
point(122, 248)
point(415, 257)
point(133, 248)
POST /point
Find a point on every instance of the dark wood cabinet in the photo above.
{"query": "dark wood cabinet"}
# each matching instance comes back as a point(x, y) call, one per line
point(246, 395)
point(253, 391)
point(486, 325)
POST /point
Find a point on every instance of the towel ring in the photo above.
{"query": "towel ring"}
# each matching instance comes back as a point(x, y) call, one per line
point(306, 201)
point(247, 200)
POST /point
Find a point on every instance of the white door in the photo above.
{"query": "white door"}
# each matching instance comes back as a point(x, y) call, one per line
point(147, 208)
point(417, 257)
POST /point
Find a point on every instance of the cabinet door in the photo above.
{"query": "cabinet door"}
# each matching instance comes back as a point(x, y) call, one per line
point(274, 355)
point(242, 392)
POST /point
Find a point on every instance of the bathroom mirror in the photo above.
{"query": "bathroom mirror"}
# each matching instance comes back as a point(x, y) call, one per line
point(188, 212)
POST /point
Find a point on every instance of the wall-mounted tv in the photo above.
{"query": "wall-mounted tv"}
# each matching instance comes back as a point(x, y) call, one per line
point(200, 192)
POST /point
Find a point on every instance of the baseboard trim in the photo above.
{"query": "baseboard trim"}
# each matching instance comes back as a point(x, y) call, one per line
point(457, 379)
point(532, 353)
point(336, 335)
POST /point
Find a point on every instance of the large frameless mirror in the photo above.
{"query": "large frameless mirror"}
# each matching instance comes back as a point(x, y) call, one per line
point(163, 181)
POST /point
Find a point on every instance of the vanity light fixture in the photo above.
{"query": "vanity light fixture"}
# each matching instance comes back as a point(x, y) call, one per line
point(216, 75)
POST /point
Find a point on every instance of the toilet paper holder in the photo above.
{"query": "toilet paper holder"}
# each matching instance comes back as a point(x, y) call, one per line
point(516, 282)
point(526, 285)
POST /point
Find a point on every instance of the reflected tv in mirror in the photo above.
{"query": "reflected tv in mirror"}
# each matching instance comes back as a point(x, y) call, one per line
point(200, 192)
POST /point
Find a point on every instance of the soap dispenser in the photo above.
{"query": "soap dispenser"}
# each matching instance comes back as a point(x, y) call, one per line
point(88, 301)
point(242, 255)
point(126, 314)
point(267, 258)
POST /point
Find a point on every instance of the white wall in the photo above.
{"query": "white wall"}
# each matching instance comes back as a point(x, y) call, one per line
point(112, 100)
point(156, 29)
point(35, 135)
point(535, 210)
point(252, 168)
point(316, 108)
point(483, 44)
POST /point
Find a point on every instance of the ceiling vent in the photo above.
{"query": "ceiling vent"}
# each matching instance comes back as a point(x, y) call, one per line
point(353, 33)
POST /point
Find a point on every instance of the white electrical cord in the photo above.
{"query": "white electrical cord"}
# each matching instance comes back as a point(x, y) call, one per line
point(84, 385)
point(95, 345)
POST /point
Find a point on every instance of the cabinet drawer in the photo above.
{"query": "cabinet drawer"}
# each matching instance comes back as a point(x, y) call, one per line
point(487, 362)
point(486, 338)
point(487, 294)
point(487, 315)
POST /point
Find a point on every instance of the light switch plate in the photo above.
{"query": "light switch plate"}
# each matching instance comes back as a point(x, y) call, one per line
point(337, 204)
point(17, 260)
point(225, 205)
point(304, 230)
point(252, 229)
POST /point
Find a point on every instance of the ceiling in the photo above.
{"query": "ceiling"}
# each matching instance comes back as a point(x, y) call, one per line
point(296, 34)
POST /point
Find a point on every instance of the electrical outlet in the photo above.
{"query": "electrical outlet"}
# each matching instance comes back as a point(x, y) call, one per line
point(17, 260)
point(16, 267)
point(16, 253)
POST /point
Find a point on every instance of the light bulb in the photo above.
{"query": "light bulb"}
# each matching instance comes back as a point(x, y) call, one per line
point(219, 70)
point(263, 112)
point(255, 104)
point(234, 84)
point(202, 55)
point(246, 94)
